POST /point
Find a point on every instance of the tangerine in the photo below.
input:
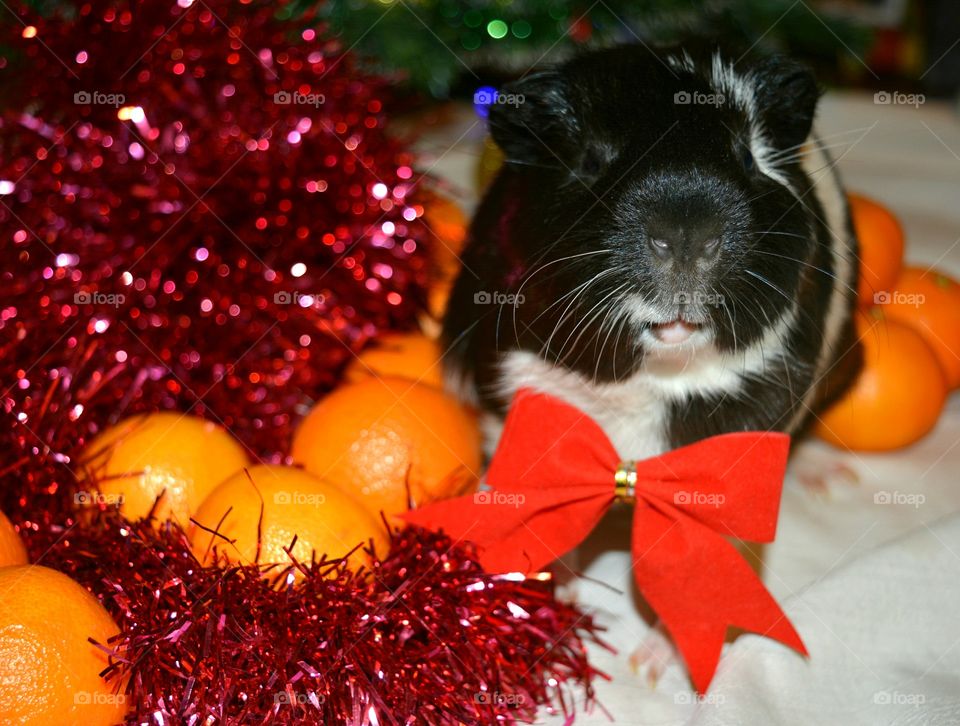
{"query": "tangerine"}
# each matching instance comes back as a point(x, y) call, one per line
point(898, 395)
point(12, 549)
point(170, 455)
point(380, 437)
point(881, 247)
point(324, 520)
point(402, 355)
point(49, 671)
point(929, 301)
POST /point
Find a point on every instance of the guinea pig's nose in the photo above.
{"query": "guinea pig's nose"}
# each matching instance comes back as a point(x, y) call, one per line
point(685, 245)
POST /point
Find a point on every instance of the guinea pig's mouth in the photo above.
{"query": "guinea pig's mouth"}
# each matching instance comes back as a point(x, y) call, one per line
point(675, 332)
point(669, 329)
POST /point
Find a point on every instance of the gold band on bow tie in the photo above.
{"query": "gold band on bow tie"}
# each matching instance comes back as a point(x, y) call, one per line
point(625, 481)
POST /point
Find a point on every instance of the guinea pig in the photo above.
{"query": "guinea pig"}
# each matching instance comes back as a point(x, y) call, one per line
point(667, 247)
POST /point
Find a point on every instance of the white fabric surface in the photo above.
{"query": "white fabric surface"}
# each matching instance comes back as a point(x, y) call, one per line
point(882, 634)
point(872, 587)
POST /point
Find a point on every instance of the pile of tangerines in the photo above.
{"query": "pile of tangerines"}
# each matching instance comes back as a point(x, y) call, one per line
point(908, 323)
point(386, 437)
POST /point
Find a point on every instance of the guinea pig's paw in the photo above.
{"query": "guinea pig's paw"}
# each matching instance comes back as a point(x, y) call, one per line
point(568, 592)
point(819, 476)
point(656, 652)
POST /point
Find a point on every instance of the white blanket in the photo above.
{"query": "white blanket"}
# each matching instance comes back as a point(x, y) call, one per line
point(880, 621)
point(882, 632)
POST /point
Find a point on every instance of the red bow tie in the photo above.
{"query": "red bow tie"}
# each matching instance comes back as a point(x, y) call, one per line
point(556, 473)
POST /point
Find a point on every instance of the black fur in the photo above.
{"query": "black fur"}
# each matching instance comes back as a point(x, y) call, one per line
point(601, 156)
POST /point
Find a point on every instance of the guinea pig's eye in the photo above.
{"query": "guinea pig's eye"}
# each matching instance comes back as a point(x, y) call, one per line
point(592, 163)
point(746, 158)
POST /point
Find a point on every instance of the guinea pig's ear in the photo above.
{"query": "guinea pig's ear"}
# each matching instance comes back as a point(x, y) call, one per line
point(786, 96)
point(532, 119)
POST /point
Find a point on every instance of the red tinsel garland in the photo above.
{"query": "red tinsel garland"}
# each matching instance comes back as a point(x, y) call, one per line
point(425, 638)
point(207, 194)
point(161, 209)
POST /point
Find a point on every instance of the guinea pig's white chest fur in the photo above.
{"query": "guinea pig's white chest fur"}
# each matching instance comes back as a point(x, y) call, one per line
point(633, 412)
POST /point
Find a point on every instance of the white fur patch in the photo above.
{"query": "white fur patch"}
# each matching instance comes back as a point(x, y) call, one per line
point(822, 172)
point(737, 89)
point(631, 413)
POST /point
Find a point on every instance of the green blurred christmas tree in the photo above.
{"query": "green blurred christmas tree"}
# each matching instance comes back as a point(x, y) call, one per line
point(435, 42)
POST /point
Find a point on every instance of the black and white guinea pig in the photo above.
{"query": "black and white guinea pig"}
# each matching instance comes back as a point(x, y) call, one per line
point(667, 247)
